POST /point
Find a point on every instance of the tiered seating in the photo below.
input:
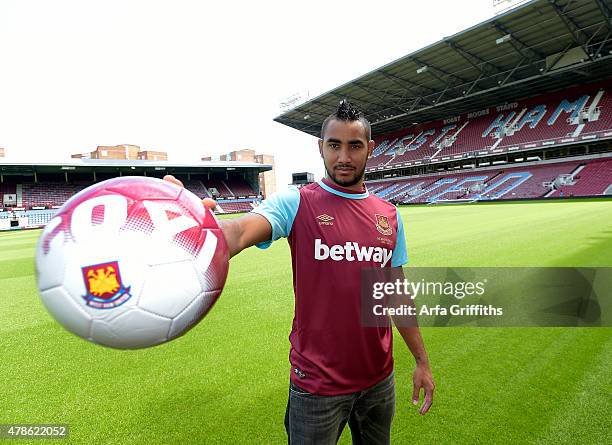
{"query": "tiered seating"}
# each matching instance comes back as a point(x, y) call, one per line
point(221, 187)
point(545, 127)
point(230, 188)
point(449, 186)
point(6, 188)
point(197, 187)
point(379, 185)
point(49, 194)
point(390, 189)
point(603, 125)
point(406, 188)
point(511, 182)
point(594, 179)
point(240, 187)
point(540, 121)
point(54, 194)
point(471, 139)
point(531, 187)
point(235, 207)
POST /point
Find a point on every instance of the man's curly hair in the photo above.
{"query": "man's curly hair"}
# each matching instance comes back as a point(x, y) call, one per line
point(347, 112)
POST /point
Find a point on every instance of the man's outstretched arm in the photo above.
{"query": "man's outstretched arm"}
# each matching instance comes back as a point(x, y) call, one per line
point(240, 233)
point(245, 231)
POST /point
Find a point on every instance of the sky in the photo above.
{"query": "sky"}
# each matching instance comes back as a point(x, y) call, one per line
point(194, 78)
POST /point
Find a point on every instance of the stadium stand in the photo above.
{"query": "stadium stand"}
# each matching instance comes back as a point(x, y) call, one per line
point(54, 194)
point(515, 107)
point(236, 206)
point(538, 180)
point(239, 187)
point(571, 116)
point(219, 185)
point(8, 192)
point(35, 203)
point(231, 187)
point(531, 180)
point(197, 187)
point(49, 194)
point(594, 179)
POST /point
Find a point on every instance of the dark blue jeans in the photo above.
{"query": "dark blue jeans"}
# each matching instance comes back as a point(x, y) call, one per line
point(319, 420)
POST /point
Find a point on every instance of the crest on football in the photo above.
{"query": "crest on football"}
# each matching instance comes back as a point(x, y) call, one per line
point(104, 287)
point(382, 224)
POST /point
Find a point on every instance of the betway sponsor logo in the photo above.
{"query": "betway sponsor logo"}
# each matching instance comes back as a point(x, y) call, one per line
point(351, 251)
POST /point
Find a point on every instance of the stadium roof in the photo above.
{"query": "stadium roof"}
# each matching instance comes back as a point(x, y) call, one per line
point(540, 46)
point(89, 165)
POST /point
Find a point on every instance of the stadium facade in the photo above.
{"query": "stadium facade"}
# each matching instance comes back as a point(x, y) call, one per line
point(517, 107)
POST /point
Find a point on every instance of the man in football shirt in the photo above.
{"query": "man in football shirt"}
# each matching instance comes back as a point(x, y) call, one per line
point(341, 371)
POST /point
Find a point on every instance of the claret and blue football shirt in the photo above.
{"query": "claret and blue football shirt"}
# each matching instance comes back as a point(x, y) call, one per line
point(333, 233)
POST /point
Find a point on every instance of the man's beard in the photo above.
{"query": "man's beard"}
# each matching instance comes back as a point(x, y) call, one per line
point(345, 183)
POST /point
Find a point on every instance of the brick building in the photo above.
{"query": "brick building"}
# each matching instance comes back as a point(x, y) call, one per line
point(267, 180)
point(123, 151)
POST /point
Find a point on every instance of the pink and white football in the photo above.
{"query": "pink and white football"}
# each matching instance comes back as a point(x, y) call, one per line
point(131, 262)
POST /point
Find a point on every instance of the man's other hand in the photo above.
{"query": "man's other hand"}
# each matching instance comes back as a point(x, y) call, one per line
point(422, 378)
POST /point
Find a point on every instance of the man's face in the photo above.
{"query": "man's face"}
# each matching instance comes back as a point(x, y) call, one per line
point(345, 149)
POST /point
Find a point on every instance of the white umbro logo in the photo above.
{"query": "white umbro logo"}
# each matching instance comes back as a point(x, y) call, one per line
point(325, 220)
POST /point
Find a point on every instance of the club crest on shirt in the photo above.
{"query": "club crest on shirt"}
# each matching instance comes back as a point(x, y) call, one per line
point(382, 224)
point(325, 220)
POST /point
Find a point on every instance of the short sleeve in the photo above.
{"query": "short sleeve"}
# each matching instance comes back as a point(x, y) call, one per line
point(400, 254)
point(280, 210)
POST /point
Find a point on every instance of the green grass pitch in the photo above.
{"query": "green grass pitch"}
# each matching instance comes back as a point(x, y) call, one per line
point(226, 381)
